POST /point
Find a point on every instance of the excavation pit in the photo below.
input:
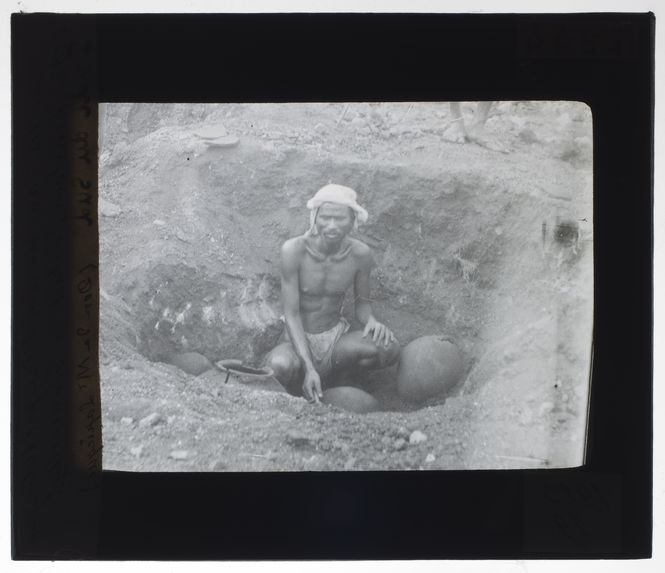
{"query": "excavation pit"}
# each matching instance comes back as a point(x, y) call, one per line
point(189, 258)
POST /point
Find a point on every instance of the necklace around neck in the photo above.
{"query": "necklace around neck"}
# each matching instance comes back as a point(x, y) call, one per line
point(319, 256)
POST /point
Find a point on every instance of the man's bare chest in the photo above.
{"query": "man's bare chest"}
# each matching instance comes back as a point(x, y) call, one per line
point(327, 277)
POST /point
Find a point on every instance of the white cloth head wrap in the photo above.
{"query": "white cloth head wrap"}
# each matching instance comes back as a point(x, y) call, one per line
point(339, 194)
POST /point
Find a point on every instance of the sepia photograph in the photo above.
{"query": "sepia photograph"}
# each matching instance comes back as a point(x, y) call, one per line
point(345, 286)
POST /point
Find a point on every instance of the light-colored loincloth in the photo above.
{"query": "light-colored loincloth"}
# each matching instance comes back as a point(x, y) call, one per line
point(322, 345)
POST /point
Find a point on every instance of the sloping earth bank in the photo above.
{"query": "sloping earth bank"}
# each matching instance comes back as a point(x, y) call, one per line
point(493, 249)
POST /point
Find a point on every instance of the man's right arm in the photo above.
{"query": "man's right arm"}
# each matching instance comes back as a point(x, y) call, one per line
point(290, 263)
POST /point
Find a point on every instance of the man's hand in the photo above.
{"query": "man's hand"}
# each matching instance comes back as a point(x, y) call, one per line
point(381, 334)
point(311, 386)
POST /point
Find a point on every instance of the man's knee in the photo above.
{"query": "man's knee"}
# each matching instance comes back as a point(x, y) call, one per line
point(285, 366)
point(379, 356)
point(368, 356)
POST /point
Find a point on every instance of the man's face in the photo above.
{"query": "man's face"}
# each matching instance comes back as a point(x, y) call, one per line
point(334, 221)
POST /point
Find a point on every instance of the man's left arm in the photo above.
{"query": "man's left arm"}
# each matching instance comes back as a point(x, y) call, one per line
point(363, 308)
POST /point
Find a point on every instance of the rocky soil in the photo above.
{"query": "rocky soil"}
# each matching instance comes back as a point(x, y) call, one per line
point(490, 247)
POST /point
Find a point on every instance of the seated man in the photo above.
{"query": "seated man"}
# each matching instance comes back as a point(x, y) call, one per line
point(317, 269)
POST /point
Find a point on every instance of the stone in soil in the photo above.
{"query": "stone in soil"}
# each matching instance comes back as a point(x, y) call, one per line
point(402, 432)
point(211, 131)
point(299, 439)
point(399, 444)
point(108, 209)
point(417, 437)
point(225, 141)
point(150, 420)
point(545, 408)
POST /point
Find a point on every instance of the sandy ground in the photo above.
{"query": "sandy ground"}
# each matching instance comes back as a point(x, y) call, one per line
point(472, 240)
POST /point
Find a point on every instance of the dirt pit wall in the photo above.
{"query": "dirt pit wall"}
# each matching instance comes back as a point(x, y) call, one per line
point(203, 275)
